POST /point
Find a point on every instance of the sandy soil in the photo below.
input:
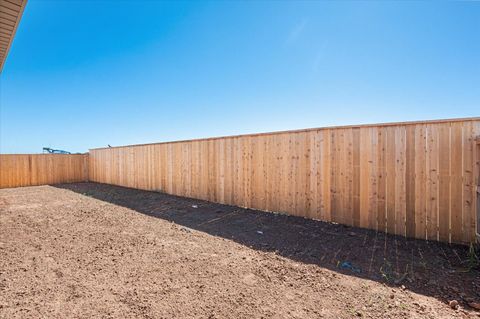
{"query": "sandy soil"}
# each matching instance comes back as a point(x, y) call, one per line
point(97, 251)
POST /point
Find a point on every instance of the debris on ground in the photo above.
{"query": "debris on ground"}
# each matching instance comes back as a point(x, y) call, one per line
point(453, 304)
point(185, 229)
point(348, 265)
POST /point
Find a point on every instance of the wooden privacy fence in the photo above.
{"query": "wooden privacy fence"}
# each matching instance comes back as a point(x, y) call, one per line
point(478, 190)
point(414, 179)
point(40, 169)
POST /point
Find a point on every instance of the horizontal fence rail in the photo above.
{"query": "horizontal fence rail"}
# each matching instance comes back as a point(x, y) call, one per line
point(413, 179)
point(41, 169)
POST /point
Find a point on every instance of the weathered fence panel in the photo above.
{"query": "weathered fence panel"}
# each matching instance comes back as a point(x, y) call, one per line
point(41, 169)
point(415, 179)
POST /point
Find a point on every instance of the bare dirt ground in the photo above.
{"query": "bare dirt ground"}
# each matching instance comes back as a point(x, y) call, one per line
point(97, 251)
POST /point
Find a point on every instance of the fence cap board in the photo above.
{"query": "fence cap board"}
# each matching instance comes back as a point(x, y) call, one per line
point(467, 119)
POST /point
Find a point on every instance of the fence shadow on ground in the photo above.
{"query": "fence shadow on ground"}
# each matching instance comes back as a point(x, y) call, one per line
point(430, 268)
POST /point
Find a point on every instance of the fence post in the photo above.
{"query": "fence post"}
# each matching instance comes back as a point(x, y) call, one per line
point(478, 187)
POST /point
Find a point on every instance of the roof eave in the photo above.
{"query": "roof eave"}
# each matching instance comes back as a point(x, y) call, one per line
point(11, 12)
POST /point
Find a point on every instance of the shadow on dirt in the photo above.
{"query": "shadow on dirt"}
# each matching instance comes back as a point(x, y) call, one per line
point(430, 268)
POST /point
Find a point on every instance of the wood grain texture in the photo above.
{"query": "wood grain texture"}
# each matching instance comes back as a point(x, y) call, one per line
point(41, 169)
point(412, 179)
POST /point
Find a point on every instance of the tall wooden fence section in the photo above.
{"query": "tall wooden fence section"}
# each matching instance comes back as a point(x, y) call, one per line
point(478, 191)
point(415, 179)
point(40, 169)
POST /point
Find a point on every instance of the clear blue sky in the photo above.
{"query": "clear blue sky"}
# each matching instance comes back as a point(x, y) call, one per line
point(84, 74)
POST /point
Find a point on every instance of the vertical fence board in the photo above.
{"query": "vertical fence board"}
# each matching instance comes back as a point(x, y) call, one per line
point(381, 181)
point(420, 181)
point(400, 185)
point(391, 180)
point(444, 182)
point(456, 182)
point(410, 181)
point(432, 182)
